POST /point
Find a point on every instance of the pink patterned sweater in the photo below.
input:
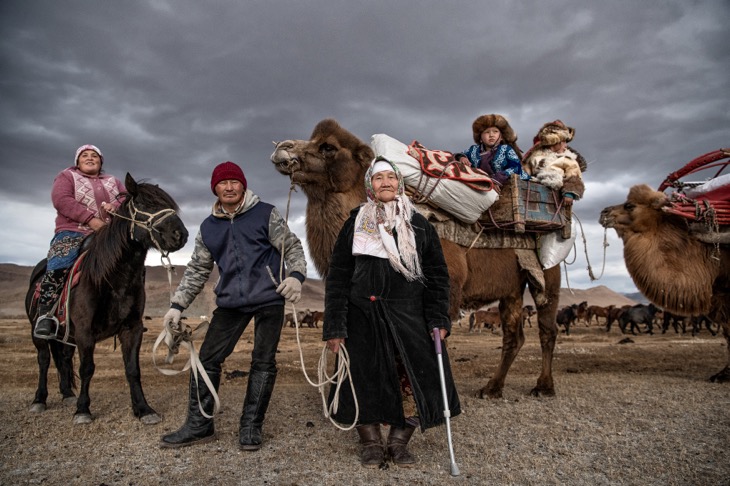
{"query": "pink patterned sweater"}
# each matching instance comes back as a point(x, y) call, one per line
point(77, 198)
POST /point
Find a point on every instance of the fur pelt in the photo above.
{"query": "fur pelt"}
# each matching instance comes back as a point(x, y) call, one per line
point(553, 169)
point(554, 132)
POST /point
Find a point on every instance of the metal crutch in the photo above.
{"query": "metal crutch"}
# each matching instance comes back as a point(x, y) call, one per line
point(447, 412)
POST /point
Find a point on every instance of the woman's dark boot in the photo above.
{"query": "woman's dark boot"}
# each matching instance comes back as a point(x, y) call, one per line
point(397, 441)
point(372, 453)
point(197, 429)
point(258, 394)
point(47, 326)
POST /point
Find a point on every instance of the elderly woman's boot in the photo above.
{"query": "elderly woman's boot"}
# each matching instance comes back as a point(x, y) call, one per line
point(397, 441)
point(372, 453)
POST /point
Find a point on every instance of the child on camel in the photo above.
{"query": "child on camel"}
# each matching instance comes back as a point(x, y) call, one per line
point(495, 149)
point(553, 163)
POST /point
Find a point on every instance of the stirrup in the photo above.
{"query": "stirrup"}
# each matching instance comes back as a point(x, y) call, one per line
point(53, 334)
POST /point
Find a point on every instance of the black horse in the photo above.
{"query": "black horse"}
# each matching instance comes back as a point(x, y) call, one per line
point(109, 298)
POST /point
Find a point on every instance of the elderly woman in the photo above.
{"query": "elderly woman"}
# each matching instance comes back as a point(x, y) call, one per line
point(81, 194)
point(387, 289)
point(553, 163)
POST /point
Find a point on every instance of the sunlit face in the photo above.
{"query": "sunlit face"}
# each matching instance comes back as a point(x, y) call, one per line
point(89, 162)
point(385, 185)
point(491, 136)
point(230, 193)
point(559, 147)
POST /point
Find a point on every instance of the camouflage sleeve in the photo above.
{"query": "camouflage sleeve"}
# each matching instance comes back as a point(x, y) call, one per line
point(196, 275)
point(280, 233)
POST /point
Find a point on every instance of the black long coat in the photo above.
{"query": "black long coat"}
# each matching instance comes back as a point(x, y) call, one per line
point(378, 312)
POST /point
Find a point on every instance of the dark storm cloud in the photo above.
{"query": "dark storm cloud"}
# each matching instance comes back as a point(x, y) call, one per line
point(169, 89)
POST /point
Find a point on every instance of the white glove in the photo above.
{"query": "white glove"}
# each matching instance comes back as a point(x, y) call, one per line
point(172, 317)
point(291, 289)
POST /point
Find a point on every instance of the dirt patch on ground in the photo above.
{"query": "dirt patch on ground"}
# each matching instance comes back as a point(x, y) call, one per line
point(636, 413)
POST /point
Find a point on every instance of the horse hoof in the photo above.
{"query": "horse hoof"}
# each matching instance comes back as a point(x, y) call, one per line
point(721, 377)
point(151, 419)
point(82, 419)
point(542, 392)
point(486, 393)
point(69, 401)
point(37, 408)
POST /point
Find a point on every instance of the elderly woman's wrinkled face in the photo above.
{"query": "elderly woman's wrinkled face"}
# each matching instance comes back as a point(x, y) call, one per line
point(89, 162)
point(385, 185)
point(491, 136)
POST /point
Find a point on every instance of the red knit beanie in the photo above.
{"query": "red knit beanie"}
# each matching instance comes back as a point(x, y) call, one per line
point(225, 171)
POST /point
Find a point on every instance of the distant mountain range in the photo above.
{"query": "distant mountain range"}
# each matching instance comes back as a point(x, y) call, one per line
point(14, 280)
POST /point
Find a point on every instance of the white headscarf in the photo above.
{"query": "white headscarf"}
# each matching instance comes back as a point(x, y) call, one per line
point(376, 221)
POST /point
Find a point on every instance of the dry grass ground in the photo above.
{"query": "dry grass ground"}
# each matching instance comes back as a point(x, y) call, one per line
point(637, 413)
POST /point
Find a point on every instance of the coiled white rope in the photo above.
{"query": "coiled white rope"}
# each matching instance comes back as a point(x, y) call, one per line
point(338, 377)
point(341, 372)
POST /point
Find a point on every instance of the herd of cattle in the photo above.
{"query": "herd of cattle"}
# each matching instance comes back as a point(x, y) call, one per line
point(629, 319)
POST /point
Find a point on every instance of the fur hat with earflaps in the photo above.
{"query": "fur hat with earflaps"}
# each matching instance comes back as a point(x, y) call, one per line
point(493, 120)
point(554, 132)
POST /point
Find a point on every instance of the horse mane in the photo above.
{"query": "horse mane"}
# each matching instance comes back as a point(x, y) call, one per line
point(111, 243)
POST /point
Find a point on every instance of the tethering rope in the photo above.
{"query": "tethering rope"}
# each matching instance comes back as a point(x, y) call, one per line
point(591, 275)
point(342, 370)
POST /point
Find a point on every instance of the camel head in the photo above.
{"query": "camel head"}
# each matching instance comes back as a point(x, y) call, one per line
point(332, 160)
point(330, 168)
point(671, 267)
point(641, 213)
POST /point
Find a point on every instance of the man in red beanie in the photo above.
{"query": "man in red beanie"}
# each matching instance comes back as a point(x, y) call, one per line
point(244, 237)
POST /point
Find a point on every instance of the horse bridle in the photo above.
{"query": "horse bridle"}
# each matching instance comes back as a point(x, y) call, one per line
point(149, 224)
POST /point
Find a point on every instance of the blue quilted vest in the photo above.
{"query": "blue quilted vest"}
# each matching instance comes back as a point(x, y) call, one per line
point(242, 250)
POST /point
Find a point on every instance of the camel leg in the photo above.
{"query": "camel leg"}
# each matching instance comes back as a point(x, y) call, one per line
point(724, 375)
point(513, 337)
point(548, 330)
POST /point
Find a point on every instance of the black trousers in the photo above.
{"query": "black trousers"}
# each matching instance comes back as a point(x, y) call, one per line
point(226, 328)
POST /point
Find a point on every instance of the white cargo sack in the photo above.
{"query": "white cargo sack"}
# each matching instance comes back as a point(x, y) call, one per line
point(454, 197)
point(554, 248)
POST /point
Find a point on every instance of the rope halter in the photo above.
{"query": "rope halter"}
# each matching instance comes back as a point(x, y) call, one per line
point(150, 223)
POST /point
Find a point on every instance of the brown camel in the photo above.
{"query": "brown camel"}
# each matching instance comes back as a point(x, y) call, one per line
point(672, 268)
point(330, 169)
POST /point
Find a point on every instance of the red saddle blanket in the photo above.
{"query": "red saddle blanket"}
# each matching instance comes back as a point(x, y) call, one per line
point(72, 280)
point(443, 165)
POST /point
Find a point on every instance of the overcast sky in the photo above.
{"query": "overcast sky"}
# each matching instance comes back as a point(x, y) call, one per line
point(169, 89)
